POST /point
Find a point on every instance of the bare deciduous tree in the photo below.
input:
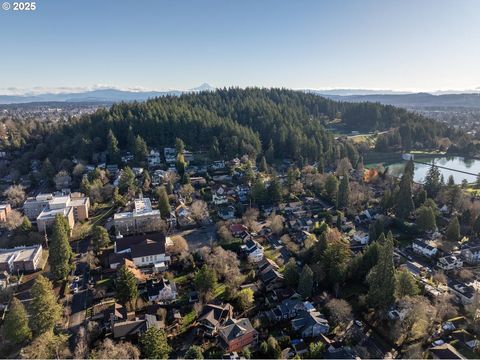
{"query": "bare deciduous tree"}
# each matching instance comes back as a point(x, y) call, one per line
point(14, 220)
point(199, 210)
point(15, 195)
point(340, 312)
point(276, 223)
point(250, 218)
point(107, 349)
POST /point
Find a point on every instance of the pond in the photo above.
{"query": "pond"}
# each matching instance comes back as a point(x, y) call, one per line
point(455, 163)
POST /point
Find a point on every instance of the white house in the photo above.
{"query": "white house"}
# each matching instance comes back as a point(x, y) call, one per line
point(163, 291)
point(471, 254)
point(144, 250)
point(450, 262)
point(154, 158)
point(253, 250)
point(361, 237)
point(310, 324)
point(422, 248)
point(219, 195)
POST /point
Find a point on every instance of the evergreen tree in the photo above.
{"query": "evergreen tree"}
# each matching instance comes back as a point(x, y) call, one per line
point(426, 219)
point(421, 197)
point(404, 202)
point(405, 284)
point(127, 180)
point(305, 282)
point(214, 152)
point(26, 225)
point(194, 352)
point(275, 191)
point(100, 237)
point(60, 251)
point(181, 165)
point(343, 193)
point(321, 165)
point(453, 230)
point(126, 284)
point(15, 327)
point(372, 232)
point(112, 147)
point(432, 183)
point(140, 149)
point(387, 200)
point(44, 309)
point(205, 280)
point(154, 344)
point(290, 274)
point(409, 170)
point(259, 193)
point(331, 186)
point(180, 146)
point(263, 165)
point(381, 278)
point(476, 225)
point(270, 152)
point(335, 259)
point(163, 201)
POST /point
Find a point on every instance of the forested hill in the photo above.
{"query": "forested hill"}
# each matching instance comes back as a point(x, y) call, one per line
point(230, 122)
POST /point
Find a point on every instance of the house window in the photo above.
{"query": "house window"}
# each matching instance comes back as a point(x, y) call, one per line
point(143, 259)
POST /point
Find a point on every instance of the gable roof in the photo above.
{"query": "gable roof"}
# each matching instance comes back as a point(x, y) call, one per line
point(445, 351)
point(214, 314)
point(235, 328)
point(127, 242)
point(148, 247)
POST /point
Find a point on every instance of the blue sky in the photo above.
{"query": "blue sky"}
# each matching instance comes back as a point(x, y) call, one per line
point(160, 44)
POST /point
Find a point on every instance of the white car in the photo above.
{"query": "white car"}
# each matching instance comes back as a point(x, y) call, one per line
point(75, 289)
point(76, 279)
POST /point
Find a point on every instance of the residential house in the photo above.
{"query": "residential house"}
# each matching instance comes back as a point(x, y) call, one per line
point(423, 248)
point(450, 262)
point(226, 212)
point(184, 216)
point(153, 158)
point(213, 317)
point(141, 220)
point(465, 293)
point(144, 250)
point(310, 323)
point(361, 237)
point(236, 334)
point(289, 308)
point(163, 291)
point(471, 253)
point(219, 195)
point(253, 250)
point(267, 272)
point(238, 229)
point(170, 155)
point(133, 329)
point(445, 351)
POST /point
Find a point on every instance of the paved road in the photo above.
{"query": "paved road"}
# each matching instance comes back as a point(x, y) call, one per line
point(78, 303)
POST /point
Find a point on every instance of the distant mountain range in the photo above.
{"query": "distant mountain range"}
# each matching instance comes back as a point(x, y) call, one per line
point(409, 100)
point(437, 99)
point(103, 95)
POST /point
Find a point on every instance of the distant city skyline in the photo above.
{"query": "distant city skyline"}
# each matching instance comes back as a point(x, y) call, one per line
point(74, 46)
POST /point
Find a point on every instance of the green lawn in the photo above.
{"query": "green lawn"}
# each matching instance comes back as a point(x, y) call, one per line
point(188, 320)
